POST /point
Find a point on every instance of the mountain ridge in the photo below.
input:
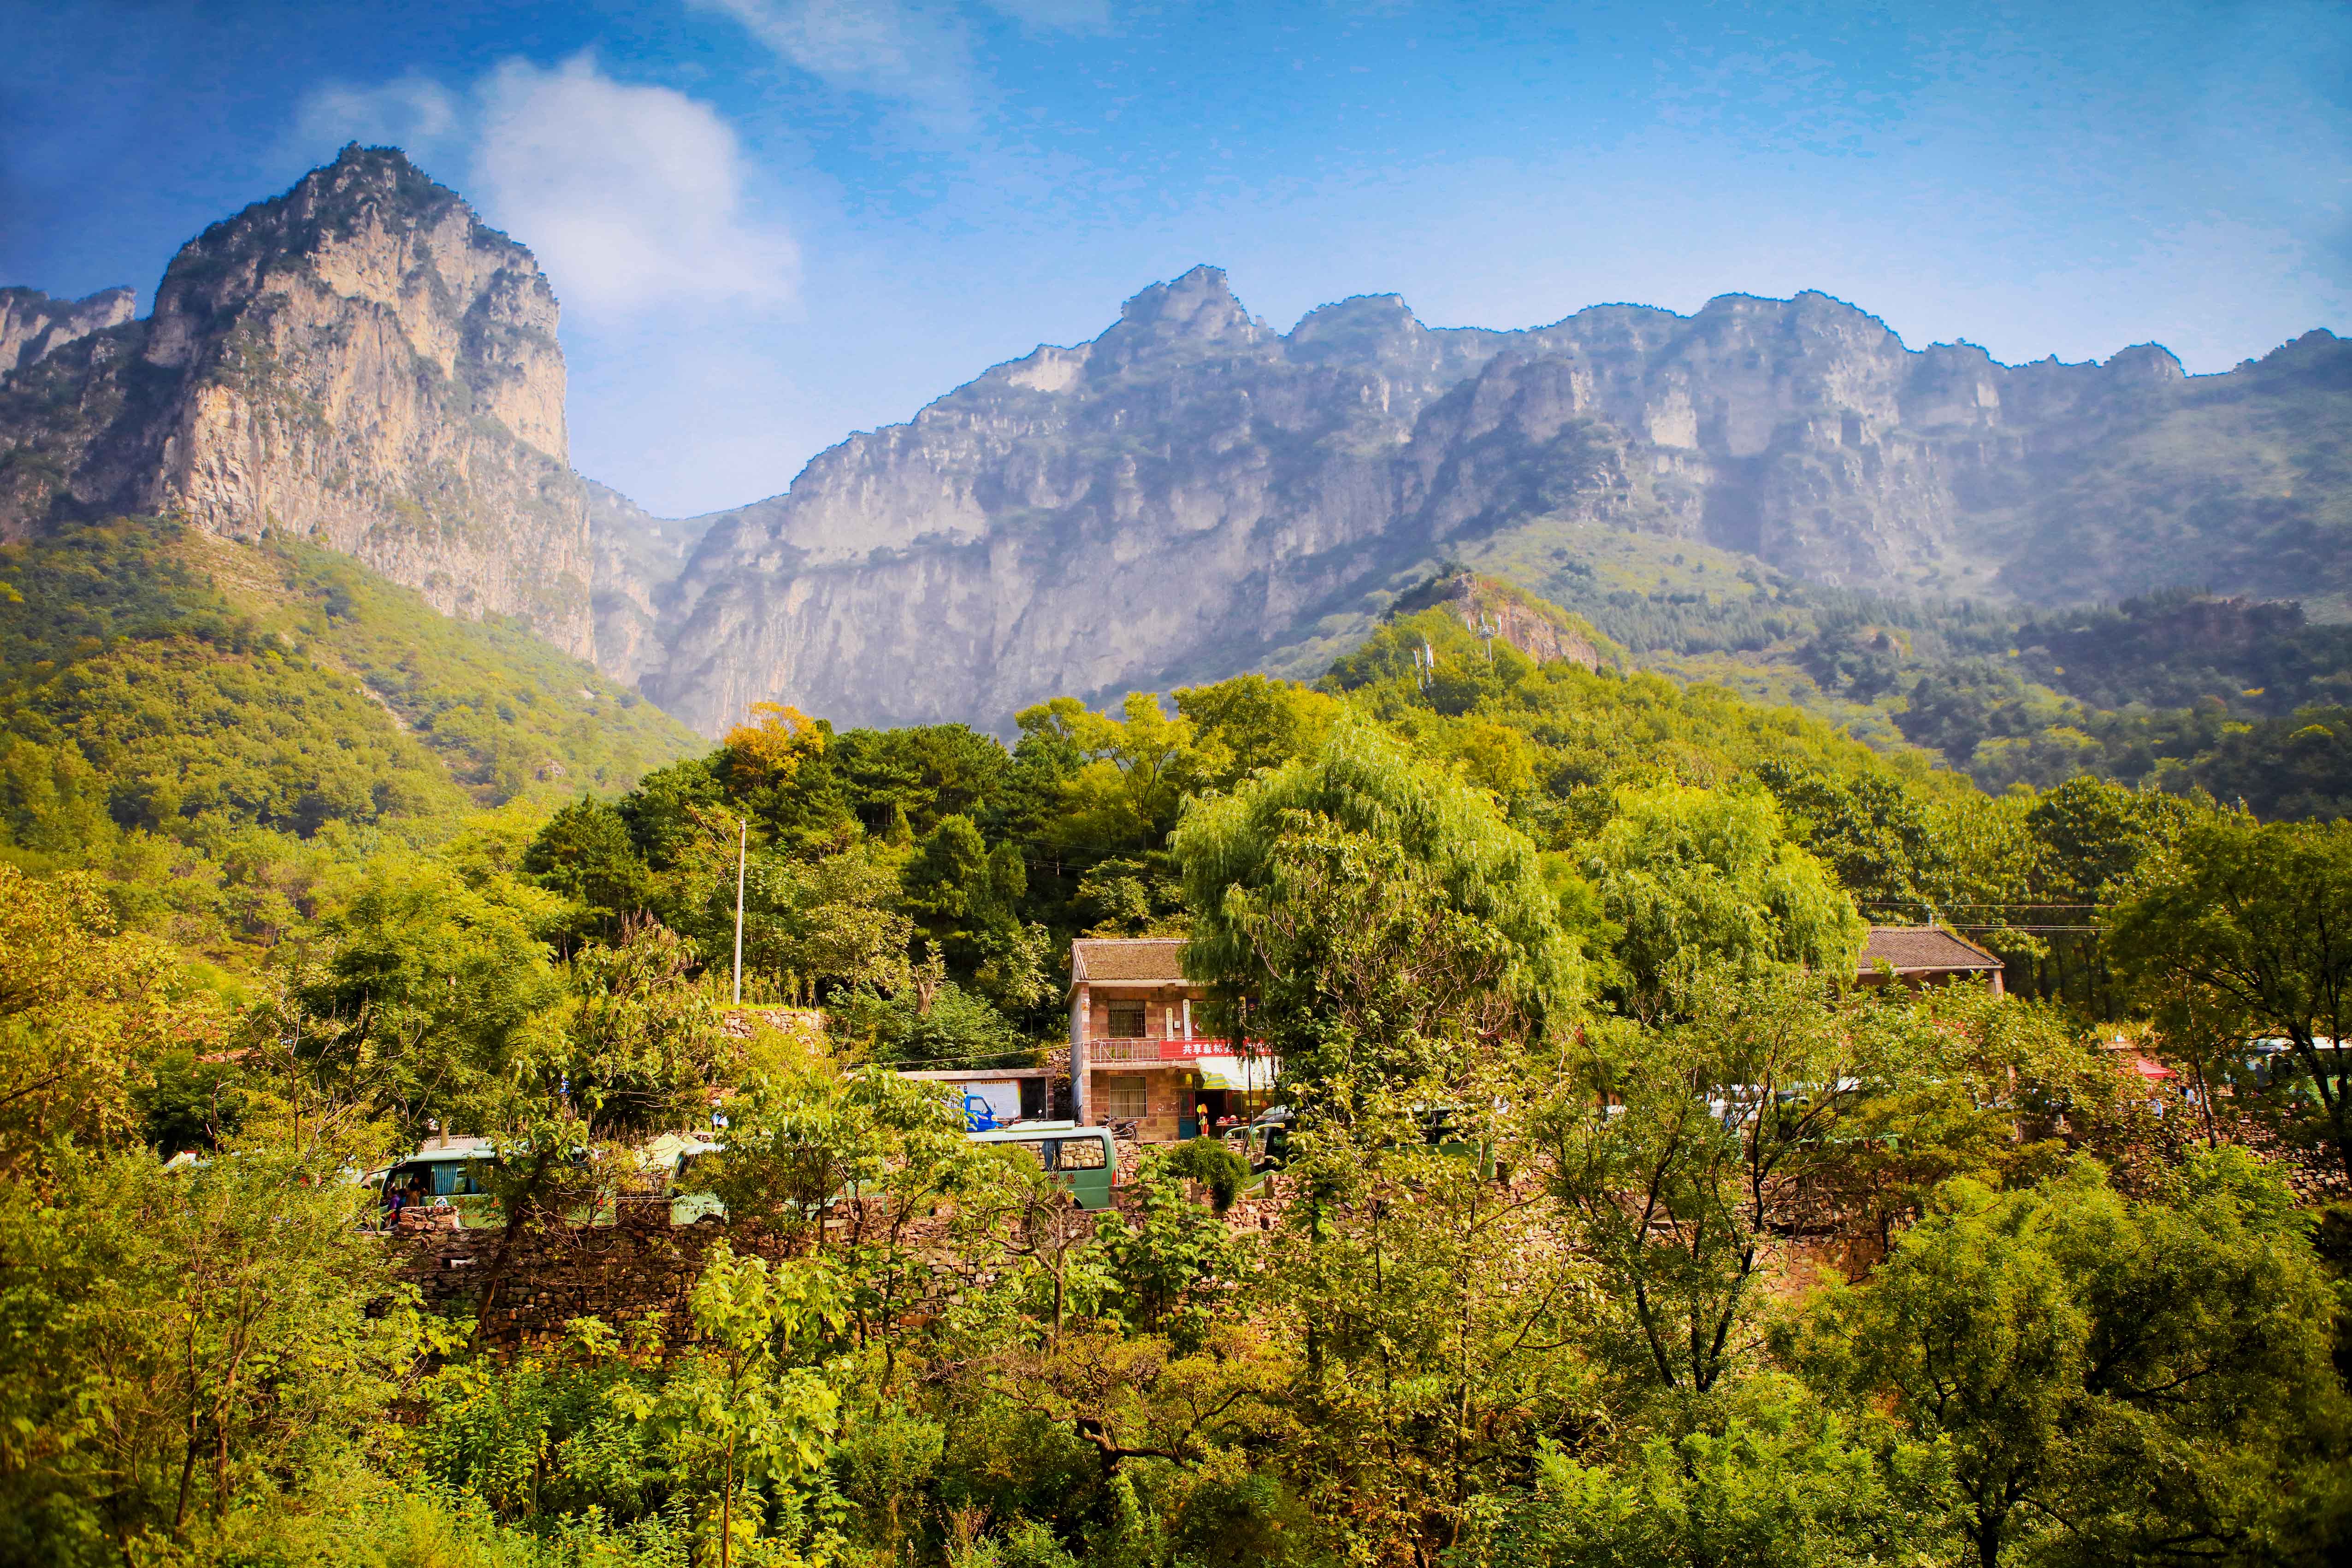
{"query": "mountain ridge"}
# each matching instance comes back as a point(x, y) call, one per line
point(363, 364)
point(359, 361)
point(963, 560)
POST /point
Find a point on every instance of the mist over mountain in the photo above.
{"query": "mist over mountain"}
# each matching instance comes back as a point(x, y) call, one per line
point(1192, 493)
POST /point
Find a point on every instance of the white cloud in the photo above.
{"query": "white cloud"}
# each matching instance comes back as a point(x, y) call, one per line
point(916, 51)
point(631, 196)
point(413, 113)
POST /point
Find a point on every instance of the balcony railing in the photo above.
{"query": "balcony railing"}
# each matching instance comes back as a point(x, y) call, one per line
point(1112, 1052)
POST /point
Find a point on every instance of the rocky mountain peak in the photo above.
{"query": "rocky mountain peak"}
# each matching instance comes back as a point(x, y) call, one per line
point(360, 360)
point(372, 228)
point(1372, 327)
point(2147, 364)
point(1191, 313)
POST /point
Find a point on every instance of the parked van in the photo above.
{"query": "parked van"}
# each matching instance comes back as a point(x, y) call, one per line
point(441, 1175)
point(668, 1158)
point(1264, 1143)
point(1081, 1159)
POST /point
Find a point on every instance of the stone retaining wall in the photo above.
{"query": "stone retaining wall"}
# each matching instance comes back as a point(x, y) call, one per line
point(622, 1272)
point(617, 1273)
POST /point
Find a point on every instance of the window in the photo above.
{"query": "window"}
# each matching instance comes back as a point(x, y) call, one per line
point(453, 1181)
point(1080, 1154)
point(1124, 1096)
point(1127, 1020)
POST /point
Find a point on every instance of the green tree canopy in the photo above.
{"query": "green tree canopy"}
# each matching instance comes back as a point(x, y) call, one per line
point(1690, 874)
point(1358, 906)
point(84, 1012)
point(429, 988)
point(2114, 1382)
point(584, 854)
point(2244, 932)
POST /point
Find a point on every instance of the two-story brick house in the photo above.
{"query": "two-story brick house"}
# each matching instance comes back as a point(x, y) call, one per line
point(1137, 1054)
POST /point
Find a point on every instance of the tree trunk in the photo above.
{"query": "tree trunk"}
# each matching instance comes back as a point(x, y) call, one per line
point(1988, 1532)
point(726, 1503)
point(2205, 1103)
point(188, 1462)
point(187, 1477)
point(525, 1203)
point(2322, 1079)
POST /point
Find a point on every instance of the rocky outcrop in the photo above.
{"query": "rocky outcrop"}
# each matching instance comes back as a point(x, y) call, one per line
point(1499, 611)
point(33, 325)
point(359, 362)
point(1192, 490)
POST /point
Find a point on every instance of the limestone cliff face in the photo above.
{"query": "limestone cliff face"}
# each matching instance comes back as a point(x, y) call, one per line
point(1150, 506)
point(32, 324)
point(359, 361)
point(1192, 489)
point(1191, 494)
point(638, 557)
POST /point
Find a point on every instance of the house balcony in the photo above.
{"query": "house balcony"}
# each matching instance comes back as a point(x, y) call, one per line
point(1159, 1052)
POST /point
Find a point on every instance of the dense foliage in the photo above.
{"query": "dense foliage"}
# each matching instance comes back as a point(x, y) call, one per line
point(2177, 689)
point(1618, 1222)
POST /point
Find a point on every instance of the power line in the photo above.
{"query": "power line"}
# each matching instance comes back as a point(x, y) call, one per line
point(1926, 904)
point(987, 1058)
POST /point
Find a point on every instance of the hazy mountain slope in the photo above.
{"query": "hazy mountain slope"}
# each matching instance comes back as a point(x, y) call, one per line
point(637, 559)
point(2240, 483)
point(359, 361)
point(1193, 494)
point(32, 324)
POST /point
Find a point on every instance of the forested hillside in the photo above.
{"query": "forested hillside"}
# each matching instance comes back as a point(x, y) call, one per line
point(2179, 690)
point(210, 724)
point(1616, 1219)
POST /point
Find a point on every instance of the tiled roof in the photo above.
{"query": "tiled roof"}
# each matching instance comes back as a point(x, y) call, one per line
point(1917, 949)
point(1127, 958)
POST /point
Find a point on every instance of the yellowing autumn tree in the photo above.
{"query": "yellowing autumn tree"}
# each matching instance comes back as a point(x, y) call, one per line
point(83, 1008)
point(768, 750)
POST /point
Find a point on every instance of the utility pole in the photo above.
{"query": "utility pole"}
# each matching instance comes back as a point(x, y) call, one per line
point(742, 854)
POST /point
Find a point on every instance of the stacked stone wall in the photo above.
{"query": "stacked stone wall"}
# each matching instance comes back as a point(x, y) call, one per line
point(618, 1272)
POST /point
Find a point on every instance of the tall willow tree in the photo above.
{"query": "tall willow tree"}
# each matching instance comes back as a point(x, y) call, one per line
point(1369, 915)
point(1711, 877)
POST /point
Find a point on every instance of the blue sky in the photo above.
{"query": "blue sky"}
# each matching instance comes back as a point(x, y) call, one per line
point(773, 221)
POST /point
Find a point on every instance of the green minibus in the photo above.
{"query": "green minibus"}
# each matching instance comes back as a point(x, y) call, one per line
point(1082, 1159)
